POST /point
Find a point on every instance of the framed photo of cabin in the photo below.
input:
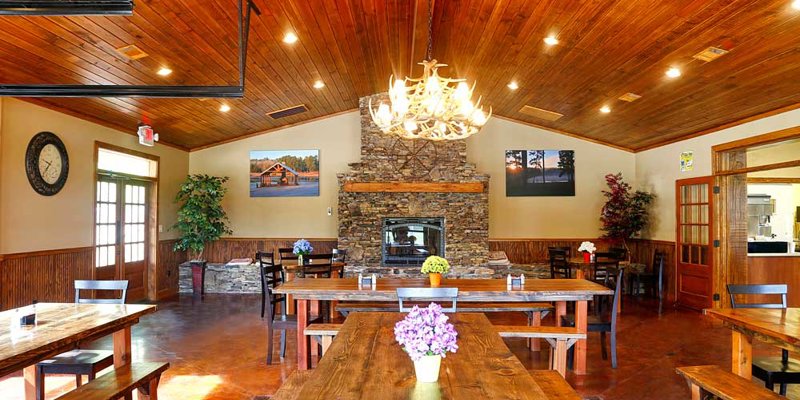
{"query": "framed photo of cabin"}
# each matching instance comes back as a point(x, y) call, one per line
point(284, 173)
point(540, 173)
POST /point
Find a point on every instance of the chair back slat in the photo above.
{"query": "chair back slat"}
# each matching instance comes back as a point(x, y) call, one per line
point(286, 253)
point(100, 286)
point(428, 294)
point(771, 289)
point(339, 255)
point(559, 262)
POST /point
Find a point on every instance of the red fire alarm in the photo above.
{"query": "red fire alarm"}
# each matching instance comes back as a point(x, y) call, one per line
point(147, 136)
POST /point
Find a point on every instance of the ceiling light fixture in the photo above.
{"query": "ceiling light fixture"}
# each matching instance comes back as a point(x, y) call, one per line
point(605, 109)
point(673, 72)
point(164, 71)
point(224, 108)
point(319, 84)
point(796, 4)
point(430, 107)
point(551, 41)
point(513, 85)
point(290, 38)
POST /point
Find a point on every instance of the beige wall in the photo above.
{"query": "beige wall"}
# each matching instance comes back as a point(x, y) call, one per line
point(29, 221)
point(545, 217)
point(337, 139)
point(658, 169)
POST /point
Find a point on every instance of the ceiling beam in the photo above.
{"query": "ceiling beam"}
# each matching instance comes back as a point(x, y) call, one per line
point(66, 7)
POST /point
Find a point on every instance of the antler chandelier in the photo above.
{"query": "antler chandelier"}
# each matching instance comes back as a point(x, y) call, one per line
point(430, 107)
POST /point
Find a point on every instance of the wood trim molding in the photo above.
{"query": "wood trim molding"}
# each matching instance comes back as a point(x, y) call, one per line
point(765, 167)
point(413, 187)
point(39, 253)
point(565, 133)
point(767, 138)
point(772, 180)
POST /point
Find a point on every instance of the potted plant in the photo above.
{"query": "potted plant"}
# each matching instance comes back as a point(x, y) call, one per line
point(587, 248)
point(201, 219)
point(301, 248)
point(435, 266)
point(625, 212)
point(426, 336)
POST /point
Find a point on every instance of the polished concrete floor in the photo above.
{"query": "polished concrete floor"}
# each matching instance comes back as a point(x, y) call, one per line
point(217, 348)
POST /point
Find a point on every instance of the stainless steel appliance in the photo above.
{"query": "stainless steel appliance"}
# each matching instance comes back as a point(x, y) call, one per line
point(760, 208)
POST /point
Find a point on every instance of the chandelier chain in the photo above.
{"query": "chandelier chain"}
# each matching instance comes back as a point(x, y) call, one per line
point(430, 31)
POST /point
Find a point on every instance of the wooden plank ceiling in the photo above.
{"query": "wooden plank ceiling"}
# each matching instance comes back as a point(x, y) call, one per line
point(607, 48)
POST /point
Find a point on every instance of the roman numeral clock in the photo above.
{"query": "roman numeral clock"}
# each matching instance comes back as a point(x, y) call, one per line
point(46, 163)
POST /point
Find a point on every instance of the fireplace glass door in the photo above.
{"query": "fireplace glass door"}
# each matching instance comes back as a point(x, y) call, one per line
point(409, 241)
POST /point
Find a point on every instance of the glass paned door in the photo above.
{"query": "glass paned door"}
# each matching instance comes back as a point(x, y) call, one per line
point(694, 239)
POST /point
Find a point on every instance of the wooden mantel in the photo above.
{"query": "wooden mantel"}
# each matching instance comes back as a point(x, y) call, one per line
point(413, 187)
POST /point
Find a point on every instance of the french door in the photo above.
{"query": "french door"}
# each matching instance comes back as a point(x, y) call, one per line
point(121, 229)
point(694, 201)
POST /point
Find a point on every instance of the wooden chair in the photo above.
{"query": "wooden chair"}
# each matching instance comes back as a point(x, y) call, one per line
point(781, 370)
point(652, 280)
point(281, 320)
point(427, 294)
point(286, 253)
point(605, 321)
point(620, 253)
point(319, 266)
point(81, 361)
point(711, 381)
point(340, 257)
point(604, 266)
point(264, 261)
point(559, 263)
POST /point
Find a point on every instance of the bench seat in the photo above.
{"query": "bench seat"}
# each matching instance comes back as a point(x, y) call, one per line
point(712, 379)
point(560, 338)
point(120, 382)
point(323, 334)
point(290, 390)
point(348, 307)
point(554, 386)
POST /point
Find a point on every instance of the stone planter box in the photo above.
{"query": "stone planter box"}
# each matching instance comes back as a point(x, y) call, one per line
point(223, 278)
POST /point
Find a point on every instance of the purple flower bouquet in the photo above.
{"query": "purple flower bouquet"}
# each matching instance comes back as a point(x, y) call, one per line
point(426, 336)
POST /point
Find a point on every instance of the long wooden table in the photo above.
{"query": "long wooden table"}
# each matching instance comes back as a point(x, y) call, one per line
point(780, 328)
point(62, 327)
point(484, 290)
point(365, 362)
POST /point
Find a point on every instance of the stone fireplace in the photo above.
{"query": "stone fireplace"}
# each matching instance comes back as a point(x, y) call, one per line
point(402, 180)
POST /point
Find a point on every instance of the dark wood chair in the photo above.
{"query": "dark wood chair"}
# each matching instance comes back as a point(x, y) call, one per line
point(317, 266)
point(286, 254)
point(340, 257)
point(278, 318)
point(82, 361)
point(559, 263)
point(651, 281)
point(781, 370)
point(604, 267)
point(427, 294)
point(620, 253)
point(604, 321)
point(265, 260)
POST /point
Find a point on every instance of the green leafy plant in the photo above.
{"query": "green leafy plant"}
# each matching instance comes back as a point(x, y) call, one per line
point(625, 212)
point(201, 218)
point(434, 265)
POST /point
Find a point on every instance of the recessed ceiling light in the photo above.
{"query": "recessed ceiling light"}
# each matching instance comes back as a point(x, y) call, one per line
point(164, 71)
point(605, 109)
point(289, 38)
point(796, 4)
point(319, 85)
point(551, 41)
point(673, 72)
point(513, 85)
point(224, 108)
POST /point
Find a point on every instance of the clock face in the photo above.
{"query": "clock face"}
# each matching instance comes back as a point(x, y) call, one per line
point(46, 163)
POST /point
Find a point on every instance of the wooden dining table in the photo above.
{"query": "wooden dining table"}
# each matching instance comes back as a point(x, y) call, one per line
point(777, 327)
point(560, 291)
point(365, 362)
point(62, 327)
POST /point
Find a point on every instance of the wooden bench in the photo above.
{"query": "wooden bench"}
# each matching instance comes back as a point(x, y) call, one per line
point(535, 311)
point(323, 334)
point(290, 390)
point(560, 338)
point(707, 380)
point(554, 386)
point(120, 382)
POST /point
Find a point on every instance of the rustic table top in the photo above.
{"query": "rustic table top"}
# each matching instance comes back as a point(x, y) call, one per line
point(780, 324)
point(365, 362)
point(60, 327)
point(468, 289)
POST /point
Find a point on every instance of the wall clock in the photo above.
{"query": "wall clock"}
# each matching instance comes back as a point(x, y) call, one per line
point(46, 163)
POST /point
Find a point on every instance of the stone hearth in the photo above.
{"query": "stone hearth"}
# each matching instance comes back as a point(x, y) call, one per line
point(387, 159)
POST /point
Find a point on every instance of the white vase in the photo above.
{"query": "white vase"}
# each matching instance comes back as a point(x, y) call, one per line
point(427, 368)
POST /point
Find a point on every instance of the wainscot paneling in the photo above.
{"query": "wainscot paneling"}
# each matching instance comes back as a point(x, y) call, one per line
point(226, 249)
point(167, 268)
point(45, 276)
point(528, 251)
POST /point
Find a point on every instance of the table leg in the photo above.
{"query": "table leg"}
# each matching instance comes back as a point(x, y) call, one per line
point(579, 274)
point(122, 347)
point(29, 373)
point(561, 310)
point(535, 319)
point(303, 359)
point(581, 322)
point(742, 356)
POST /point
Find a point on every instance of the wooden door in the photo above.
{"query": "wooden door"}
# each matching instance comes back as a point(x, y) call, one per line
point(694, 206)
point(121, 229)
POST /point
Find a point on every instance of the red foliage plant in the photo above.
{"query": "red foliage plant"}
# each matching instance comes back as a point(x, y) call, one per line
point(625, 212)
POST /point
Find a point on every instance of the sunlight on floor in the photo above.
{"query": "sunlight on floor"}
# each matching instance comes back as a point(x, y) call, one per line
point(188, 387)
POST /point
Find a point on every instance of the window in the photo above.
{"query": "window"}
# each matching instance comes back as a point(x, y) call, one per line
point(113, 161)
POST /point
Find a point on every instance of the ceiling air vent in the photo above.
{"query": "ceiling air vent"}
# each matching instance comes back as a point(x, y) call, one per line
point(132, 52)
point(710, 54)
point(630, 97)
point(540, 113)
point(286, 112)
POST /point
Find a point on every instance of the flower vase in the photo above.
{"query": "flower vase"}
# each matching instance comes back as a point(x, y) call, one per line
point(587, 257)
point(436, 279)
point(427, 368)
point(300, 260)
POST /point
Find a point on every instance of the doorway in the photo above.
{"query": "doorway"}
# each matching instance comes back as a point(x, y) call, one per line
point(695, 214)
